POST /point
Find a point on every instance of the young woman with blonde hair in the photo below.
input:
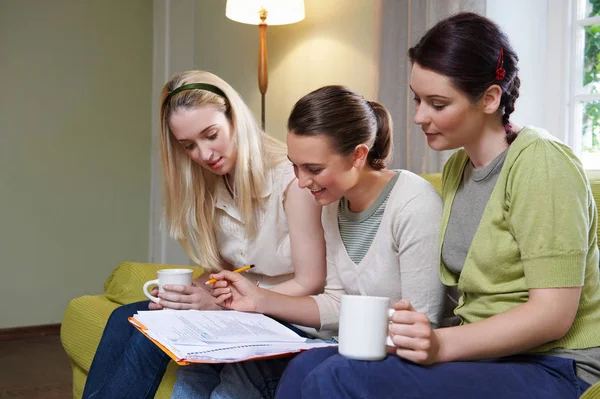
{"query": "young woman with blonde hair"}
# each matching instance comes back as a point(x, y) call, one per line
point(229, 200)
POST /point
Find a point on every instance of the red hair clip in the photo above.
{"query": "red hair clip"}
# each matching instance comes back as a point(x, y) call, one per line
point(500, 72)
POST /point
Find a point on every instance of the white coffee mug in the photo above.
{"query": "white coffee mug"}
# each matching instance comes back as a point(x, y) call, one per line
point(168, 276)
point(364, 323)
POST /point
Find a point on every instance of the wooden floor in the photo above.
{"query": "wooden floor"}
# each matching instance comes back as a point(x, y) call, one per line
point(34, 368)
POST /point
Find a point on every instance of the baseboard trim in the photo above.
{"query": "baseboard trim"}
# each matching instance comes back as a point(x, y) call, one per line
point(7, 334)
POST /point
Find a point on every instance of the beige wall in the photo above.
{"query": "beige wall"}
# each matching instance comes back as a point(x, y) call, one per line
point(337, 43)
point(228, 49)
point(75, 120)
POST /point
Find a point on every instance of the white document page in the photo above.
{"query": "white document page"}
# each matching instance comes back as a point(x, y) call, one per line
point(197, 327)
point(248, 351)
point(226, 353)
point(221, 336)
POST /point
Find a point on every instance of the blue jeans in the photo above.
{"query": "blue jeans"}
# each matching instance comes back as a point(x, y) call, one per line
point(256, 379)
point(127, 364)
point(323, 373)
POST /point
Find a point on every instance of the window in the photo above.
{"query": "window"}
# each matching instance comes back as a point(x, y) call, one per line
point(585, 82)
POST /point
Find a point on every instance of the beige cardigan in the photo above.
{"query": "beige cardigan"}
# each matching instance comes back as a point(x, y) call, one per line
point(403, 260)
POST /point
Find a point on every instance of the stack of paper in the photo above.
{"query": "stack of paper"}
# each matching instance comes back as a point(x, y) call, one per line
point(194, 336)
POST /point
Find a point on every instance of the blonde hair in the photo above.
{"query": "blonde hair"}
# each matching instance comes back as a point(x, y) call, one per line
point(189, 203)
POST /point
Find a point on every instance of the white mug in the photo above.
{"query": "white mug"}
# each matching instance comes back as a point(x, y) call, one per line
point(364, 323)
point(168, 276)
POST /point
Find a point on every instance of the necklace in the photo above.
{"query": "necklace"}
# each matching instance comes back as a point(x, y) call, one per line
point(228, 186)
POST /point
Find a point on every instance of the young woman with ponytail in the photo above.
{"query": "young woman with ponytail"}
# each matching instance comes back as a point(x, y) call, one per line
point(518, 239)
point(381, 226)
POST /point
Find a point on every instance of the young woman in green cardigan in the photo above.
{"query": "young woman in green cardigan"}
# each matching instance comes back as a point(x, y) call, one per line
point(518, 240)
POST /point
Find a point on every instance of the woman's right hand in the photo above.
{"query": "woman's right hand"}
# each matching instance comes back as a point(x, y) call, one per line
point(234, 291)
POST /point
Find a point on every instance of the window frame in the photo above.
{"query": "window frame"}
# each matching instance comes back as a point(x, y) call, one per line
point(578, 97)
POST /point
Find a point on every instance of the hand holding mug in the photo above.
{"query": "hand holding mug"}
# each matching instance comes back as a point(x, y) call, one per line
point(178, 296)
point(153, 305)
point(165, 276)
point(413, 336)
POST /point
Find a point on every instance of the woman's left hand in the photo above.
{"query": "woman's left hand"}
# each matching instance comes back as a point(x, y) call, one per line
point(177, 296)
point(413, 336)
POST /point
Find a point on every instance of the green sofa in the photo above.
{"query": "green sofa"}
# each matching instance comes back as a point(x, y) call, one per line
point(86, 316)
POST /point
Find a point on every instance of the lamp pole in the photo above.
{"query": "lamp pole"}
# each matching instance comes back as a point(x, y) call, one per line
point(280, 12)
point(263, 64)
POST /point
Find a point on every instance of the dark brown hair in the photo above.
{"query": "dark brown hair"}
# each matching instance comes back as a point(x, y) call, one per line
point(347, 119)
point(466, 48)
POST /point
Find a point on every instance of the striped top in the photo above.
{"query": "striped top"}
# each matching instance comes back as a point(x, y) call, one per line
point(403, 258)
point(359, 229)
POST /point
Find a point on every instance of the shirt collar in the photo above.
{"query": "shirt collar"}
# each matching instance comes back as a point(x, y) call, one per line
point(225, 202)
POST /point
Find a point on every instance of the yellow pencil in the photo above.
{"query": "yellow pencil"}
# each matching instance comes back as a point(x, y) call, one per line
point(241, 269)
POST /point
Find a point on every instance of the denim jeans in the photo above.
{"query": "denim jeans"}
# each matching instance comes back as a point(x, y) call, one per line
point(256, 379)
point(323, 373)
point(127, 364)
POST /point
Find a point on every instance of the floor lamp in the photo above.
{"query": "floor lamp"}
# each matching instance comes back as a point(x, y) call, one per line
point(261, 13)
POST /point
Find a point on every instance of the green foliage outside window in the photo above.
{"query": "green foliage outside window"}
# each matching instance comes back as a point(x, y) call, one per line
point(591, 116)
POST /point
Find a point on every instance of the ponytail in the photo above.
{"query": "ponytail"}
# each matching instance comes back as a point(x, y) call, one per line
point(380, 154)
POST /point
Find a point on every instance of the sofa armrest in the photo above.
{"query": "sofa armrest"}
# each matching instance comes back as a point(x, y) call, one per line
point(125, 282)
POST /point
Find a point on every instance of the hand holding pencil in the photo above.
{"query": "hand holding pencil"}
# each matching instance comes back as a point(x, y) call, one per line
point(241, 269)
point(235, 292)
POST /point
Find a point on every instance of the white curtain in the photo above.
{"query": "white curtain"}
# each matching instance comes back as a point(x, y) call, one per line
point(403, 22)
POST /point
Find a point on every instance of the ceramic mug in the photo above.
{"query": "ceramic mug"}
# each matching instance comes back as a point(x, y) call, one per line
point(168, 276)
point(364, 324)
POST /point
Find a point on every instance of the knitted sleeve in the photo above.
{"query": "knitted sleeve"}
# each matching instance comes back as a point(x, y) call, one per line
point(547, 201)
point(329, 301)
point(416, 230)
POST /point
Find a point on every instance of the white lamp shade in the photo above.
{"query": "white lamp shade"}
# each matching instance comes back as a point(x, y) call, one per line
point(280, 12)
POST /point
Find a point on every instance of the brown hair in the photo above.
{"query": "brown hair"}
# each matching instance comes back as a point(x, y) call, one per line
point(347, 119)
point(466, 47)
